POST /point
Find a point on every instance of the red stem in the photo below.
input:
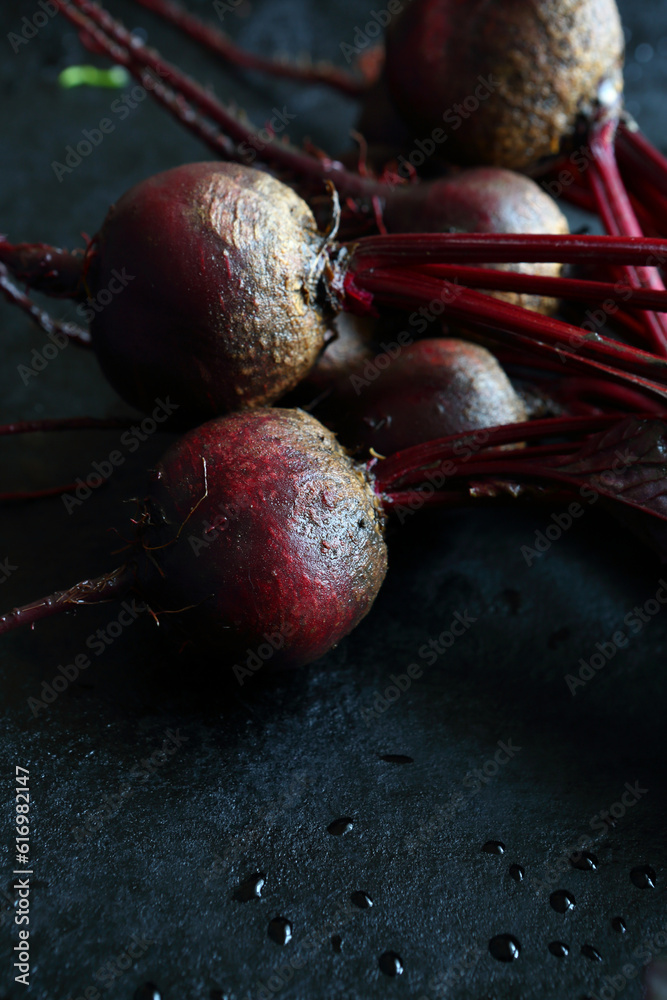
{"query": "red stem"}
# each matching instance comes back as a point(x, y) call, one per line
point(58, 273)
point(63, 424)
point(279, 154)
point(503, 248)
point(648, 160)
point(573, 390)
point(410, 464)
point(620, 220)
point(109, 587)
point(97, 42)
point(501, 319)
point(52, 327)
point(53, 491)
point(560, 288)
point(212, 38)
point(653, 203)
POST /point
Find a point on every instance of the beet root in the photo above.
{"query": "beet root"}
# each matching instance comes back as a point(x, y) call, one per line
point(435, 388)
point(483, 200)
point(262, 527)
point(507, 80)
point(222, 265)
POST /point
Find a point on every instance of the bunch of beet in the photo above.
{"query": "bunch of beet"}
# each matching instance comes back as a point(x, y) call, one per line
point(242, 292)
point(523, 87)
point(260, 525)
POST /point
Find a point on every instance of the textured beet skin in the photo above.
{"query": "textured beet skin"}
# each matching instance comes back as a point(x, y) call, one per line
point(288, 544)
point(482, 200)
point(545, 60)
point(433, 389)
point(218, 312)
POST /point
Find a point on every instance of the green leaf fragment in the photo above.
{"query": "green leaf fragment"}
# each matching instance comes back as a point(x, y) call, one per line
point(92, 76)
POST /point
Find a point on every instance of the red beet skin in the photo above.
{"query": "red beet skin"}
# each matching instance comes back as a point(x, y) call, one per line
point(282, 557)
point(219, 310)
point(527, 68)
point(482, 200)
point(433, 389)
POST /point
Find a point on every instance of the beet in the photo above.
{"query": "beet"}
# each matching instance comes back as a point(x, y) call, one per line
point(258, 529)
point(434, 388)
point(286, 541)
point(352, 345)
point(247, 250)
point(560, 69)
point(552, 65)
point(482, 200)
point(261, 539)
point(210, 285)
point(529, 70)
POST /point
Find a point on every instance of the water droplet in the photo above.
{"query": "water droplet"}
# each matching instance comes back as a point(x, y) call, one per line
point(517, 873)
point(340, 827)
point(559, 949)
point(643, 876)
point(148, 991)
point(588, 951)
point(391, 964)
point(396, 758)
point(505, 948)
point(250, 888)
point(280, 930)
point(493, 847)
point(562, 901)
point(618, 924)
point(584, 861)
point(337, 942)
point(362, 900)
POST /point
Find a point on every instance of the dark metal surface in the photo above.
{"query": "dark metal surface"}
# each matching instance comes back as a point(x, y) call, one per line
point(160, 798)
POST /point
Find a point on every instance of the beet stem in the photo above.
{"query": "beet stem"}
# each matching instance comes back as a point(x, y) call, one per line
point(63, 424)
point(279, 154)
point(56, 272)
point(217, 41)
point(109, 587)
point(412, 462)
point(96, 41)
point(561, 288)
point(649, 160)
point(577, 389)
point(52, 491)
point(652, 202)
point(503, 248)
point(542, 333)
point(52, 327)
point(620, 220)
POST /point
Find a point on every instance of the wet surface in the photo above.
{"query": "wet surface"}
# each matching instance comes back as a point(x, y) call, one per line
point(159, 790)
